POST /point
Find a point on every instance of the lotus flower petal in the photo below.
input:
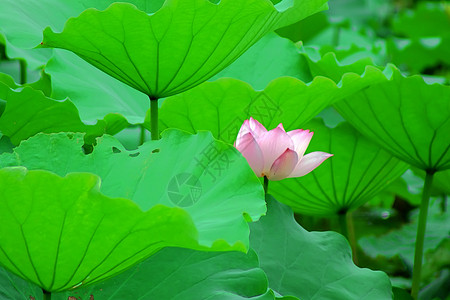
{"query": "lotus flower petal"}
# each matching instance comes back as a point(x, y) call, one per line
point(273, 144)
point(309, 162)
point(301, 139)
point(277, 154)
point(283, 165)
point(245, 128)
point(256, 128)
point(249, 148)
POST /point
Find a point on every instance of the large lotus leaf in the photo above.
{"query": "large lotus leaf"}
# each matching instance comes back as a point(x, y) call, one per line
point(271, 57)
point(8, 81)
point(222, 106)
point(373, 55)
point(22, 23)
point(401, 241)
point(208, 178)
point(62, 232)
point(305, 29)
point(181, 274)
point(440, 182)
point(94, 93)
point(181, 45)
point(358, 170)
point(406, 116)
point(185, 274)
point(336, 65)
point(311, 265)
point(29, 112)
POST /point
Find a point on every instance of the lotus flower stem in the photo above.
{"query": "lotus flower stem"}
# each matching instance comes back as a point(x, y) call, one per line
point(352, 236)
point(154, 118)
point(266, 184)
point(342, 218)
point(23, 71)
point(418, 252)
point(142, 135)
point(47, 295)
point(348, 231)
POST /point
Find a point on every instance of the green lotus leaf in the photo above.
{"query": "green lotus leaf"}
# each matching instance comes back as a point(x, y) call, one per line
point(399, 188)
point(271, 57)
point(23, 21)
point(8, 81)
point(14, 287)
point(94, 93)
point(418, 54)
point(305, 29)
point(182, 274)
point(222, 106)
point(406, 116)
point(208, 178)
point(361, 12)
point(181, 45)
point(43, 84)
point(29, 112)
point(353, 54)
point(311, 265)
point(337, 65)
point(185, 274)
point(440, 181)
point(358, 170)
point(5, 144)
point(62, 232)
point(427, 19)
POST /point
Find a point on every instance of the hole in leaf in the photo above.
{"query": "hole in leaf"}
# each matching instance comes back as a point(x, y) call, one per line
point(87, 149)
point(156, 150)
point(115, 150)
point(134, 154)
point(70, 136)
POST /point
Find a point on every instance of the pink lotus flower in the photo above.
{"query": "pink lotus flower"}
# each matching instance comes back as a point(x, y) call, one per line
point(277, 154)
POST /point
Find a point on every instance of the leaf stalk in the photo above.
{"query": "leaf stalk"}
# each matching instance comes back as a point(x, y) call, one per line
point(154, 118)
point(420, 237)
point(23, 71)
point(47, 295)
